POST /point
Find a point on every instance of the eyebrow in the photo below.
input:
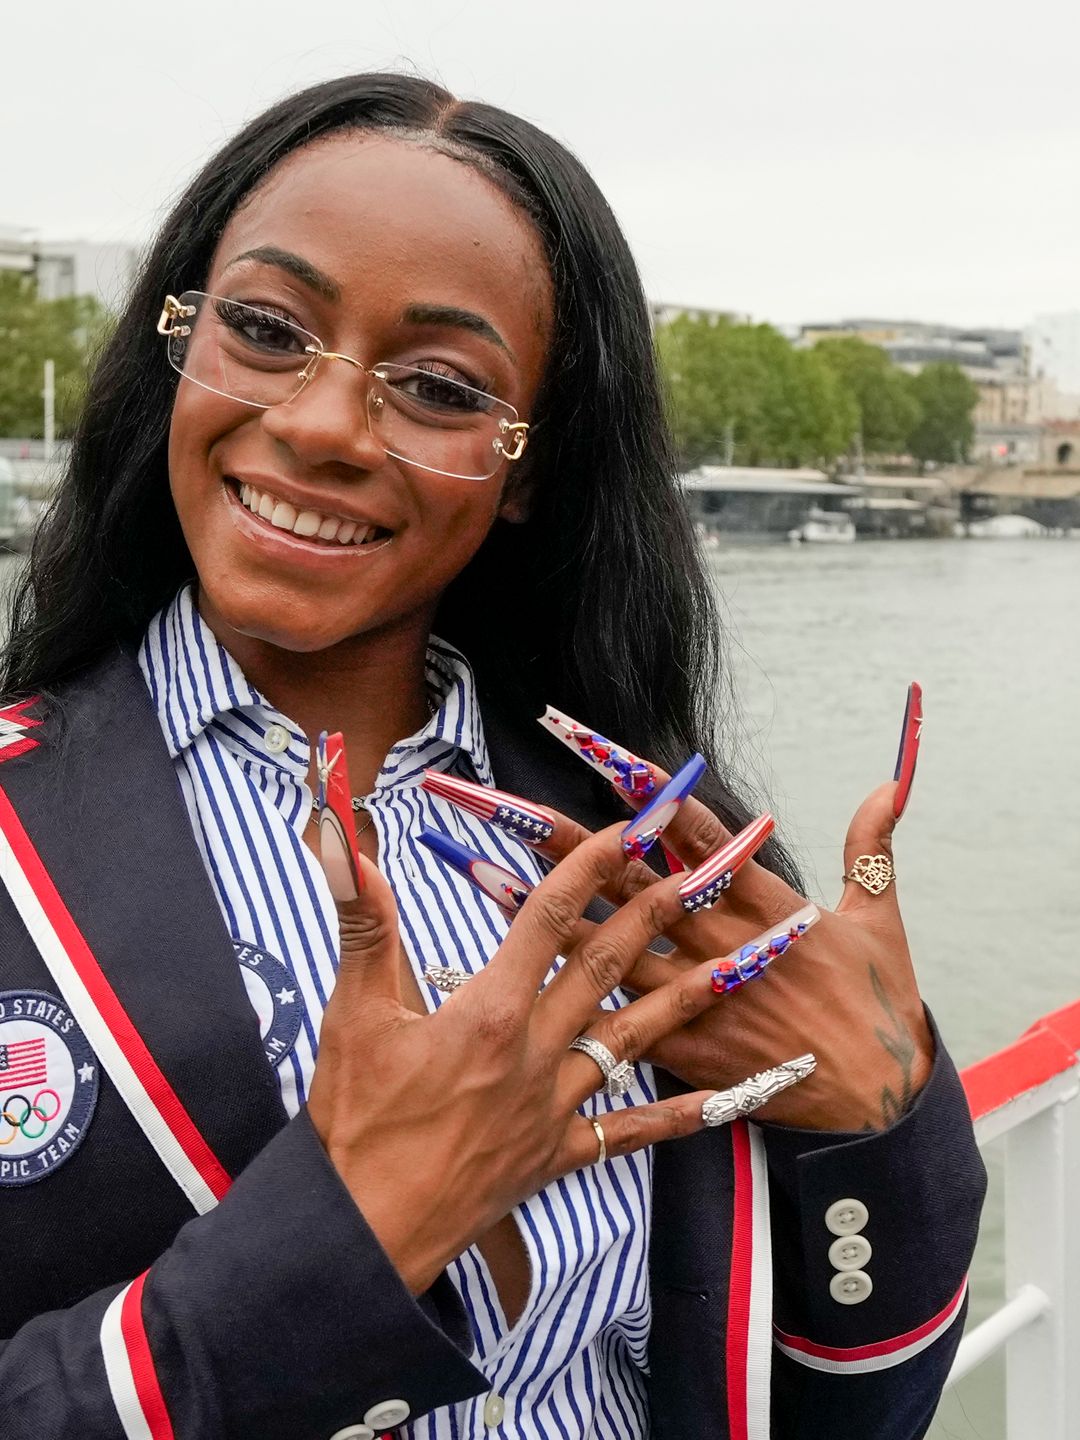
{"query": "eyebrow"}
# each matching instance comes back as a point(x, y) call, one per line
point(452, 317)
point(296, 266)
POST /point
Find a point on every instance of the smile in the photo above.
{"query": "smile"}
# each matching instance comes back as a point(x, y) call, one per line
point(317, 529)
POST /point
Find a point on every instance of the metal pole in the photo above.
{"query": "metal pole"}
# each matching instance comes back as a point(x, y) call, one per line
point(49, 396)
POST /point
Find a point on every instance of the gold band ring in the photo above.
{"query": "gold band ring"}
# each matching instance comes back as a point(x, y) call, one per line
point(603, 1143)
point(874, 873)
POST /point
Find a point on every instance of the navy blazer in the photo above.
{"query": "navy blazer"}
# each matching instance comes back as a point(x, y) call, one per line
point(276, 1313)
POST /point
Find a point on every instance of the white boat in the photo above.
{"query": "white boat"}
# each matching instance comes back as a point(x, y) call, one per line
point(824, 527)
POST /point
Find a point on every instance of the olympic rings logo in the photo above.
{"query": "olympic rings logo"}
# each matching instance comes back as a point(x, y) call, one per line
point(19, 1123)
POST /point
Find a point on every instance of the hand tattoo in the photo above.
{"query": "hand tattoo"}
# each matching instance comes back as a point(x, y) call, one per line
point(898, 1042)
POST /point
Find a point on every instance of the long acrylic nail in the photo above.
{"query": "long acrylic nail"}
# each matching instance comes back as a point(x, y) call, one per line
point(509, 813)
point(649, 824)
point(337, 829)
point(908, 754)
point(505, 887)
point(749, 1095)
point(749, 962)
point(625, 771)
point(704, 886)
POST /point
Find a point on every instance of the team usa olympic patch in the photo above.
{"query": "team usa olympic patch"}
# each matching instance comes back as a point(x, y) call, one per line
point(48, 1086)
point(275, 997)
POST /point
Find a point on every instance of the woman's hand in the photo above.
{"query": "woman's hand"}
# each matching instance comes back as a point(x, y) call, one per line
point(439, 1124)
point(847, 993)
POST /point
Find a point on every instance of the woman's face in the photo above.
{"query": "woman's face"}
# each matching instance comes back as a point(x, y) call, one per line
point(388, 253)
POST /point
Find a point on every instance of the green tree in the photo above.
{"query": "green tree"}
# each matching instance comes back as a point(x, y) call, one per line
point(888, 407)
point(31, 332)
point(945, 429)
point(746, 385)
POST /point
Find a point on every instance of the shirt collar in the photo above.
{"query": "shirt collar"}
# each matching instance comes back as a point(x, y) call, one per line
point(195, 682)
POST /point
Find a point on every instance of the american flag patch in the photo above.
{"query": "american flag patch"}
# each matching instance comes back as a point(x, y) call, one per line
point(22, 1062)
point(14, 723)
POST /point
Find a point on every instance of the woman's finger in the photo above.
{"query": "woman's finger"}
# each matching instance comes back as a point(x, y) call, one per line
point(367, 910)
point(868, 858)
point(545, 830)
point(621, 1132)
point(634, 1029)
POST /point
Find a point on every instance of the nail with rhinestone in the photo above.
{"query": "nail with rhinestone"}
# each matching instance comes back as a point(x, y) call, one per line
point(908, 755)
point(509, 813)
point(749, 1095)
point(337, 827)
point(749, 962)
point(625, 771)
point(505, 887)
point(649, 824)
point(704, 886)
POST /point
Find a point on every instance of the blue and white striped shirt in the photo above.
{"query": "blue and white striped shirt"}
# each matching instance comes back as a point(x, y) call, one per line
point(574, 1363)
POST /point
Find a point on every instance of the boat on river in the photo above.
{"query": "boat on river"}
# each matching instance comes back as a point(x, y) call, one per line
point(824, 527)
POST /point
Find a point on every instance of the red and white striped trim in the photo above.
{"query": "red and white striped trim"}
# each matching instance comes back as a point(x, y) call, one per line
point(749, 1329)
point(882, 1355)
point(14, 723)
point(106, 1024)
point(129, 1368)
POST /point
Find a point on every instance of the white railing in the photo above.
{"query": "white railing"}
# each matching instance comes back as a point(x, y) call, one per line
point(1025, 1096)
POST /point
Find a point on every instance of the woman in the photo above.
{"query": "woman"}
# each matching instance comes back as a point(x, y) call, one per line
point(407, 390)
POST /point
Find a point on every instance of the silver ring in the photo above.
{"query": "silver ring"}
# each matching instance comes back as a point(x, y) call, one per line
point(749, 1095)
point(618, 1074)
point(446, 979)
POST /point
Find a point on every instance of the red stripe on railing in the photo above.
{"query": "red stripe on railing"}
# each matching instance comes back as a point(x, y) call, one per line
point(1047, 1049)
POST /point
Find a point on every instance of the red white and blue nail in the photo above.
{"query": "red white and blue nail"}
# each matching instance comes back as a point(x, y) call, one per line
point(908, 754)
point(704, 886)
point(649, 824)
point(505, 887)
point(749, 962)
point(508, 812)
point(633, 776)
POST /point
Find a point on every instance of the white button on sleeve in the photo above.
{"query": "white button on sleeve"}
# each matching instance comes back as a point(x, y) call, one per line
point(850, 1287)
point(354, 1432)
point(846, 1217)
point(850, 1252)
point(277, 742)
point(387, 1414)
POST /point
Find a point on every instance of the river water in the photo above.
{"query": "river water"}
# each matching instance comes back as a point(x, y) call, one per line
point(823, 641)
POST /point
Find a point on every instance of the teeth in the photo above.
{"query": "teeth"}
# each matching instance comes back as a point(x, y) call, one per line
point(305, 523)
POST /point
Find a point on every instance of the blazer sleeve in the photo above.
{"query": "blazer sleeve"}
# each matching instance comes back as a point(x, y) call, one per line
point(277, 1315)
point(872, 1237)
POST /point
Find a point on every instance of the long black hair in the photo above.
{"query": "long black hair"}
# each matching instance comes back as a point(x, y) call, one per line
point(600, 603)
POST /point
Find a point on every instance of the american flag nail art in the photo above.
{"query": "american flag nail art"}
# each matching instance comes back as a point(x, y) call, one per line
point(649, 824)
point(752, 959)
point(704, 886)
point(509, 813)
point(505, 887)
point(625, 771)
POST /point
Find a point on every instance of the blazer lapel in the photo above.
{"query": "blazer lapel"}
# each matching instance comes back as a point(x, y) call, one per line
point(99, 800)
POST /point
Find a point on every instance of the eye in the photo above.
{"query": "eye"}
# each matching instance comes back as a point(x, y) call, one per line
point(261, 329)
point(436, 390)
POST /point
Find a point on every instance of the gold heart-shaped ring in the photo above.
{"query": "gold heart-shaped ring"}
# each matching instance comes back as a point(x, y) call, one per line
point(873, 872)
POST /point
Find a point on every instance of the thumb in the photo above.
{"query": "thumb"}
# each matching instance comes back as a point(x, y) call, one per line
point(370, 940)
point(868, 850)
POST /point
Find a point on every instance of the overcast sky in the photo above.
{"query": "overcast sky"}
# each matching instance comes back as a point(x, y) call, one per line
point(793, 160)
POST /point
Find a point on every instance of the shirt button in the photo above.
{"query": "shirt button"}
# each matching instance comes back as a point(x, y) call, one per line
point(387, 1414)
point(276, 740)
point(846, 1217)
point(850, 1287)
point(354, 1432)
point(850, 1252)
point(494, 1409)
